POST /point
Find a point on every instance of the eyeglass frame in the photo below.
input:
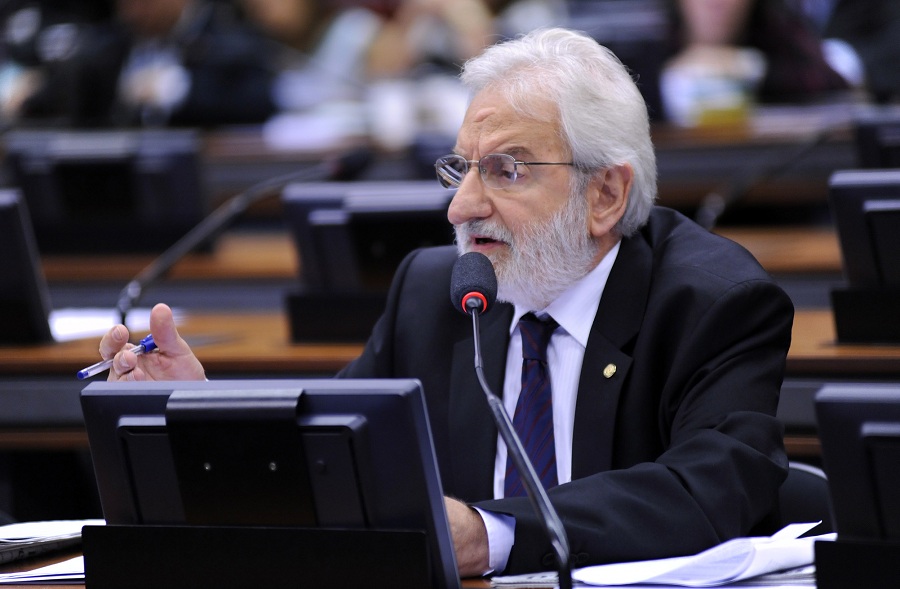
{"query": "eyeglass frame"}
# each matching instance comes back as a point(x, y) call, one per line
point(481, 171)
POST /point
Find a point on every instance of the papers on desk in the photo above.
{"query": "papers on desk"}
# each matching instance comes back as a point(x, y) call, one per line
point(71, 324)
point(27, 539)
point(741, 562)
point(66, 572)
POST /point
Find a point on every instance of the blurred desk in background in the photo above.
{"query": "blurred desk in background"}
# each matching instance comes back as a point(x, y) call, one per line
point(253, 255)
point(237, 255)
point(691, 162)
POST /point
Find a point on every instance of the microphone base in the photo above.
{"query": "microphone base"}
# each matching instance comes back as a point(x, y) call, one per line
point(333, 317)
point(867, 315)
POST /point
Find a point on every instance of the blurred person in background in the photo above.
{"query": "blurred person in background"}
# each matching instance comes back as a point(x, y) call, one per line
point(37, 37)
point(445, 33)
point(861, 40)
point(161, 62)
point(729, 52)
point(321, 48)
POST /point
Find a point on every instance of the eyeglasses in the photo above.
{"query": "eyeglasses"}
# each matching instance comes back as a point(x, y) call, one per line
point(498, 170)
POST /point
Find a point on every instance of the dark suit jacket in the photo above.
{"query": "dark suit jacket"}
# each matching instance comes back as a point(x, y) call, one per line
point(677, 451)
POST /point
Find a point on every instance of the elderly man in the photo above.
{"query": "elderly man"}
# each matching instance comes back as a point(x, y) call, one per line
point(668, 356)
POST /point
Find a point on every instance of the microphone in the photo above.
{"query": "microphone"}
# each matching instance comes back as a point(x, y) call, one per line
point(473, 284)
point(473, 291)
point(344, 167)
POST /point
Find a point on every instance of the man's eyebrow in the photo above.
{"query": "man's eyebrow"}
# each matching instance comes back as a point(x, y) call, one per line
point(518, 151)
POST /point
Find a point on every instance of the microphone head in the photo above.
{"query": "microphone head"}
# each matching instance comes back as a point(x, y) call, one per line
point(473, 283)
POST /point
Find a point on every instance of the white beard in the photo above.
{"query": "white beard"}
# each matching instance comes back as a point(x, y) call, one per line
point(544, 260)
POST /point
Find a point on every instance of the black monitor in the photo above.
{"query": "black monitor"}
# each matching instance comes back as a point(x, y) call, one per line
point(24, 298)
point(351, 237)
point(878, 140)
point(310, 454)
point(865, 205)
point(108, 191)
point(859, 429)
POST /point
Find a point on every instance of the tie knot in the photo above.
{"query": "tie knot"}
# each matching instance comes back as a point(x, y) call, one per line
point(536, 335)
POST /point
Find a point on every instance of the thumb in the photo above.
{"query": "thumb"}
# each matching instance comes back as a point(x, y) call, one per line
point(165, 334)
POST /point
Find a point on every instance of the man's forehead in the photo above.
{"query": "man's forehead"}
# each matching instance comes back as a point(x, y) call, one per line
point(492, 122)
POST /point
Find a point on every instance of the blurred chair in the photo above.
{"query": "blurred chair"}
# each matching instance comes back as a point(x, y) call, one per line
point(805, 497)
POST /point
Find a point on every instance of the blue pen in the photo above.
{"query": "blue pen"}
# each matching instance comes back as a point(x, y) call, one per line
point(146, 345)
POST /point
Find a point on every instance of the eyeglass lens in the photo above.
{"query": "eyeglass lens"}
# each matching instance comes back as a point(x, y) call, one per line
point(497, 170)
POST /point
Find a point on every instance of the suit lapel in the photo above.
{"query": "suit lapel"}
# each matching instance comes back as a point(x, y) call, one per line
point(473, 434)
point(607, 358)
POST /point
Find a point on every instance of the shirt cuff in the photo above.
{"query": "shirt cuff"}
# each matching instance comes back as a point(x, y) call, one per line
point(501, 529)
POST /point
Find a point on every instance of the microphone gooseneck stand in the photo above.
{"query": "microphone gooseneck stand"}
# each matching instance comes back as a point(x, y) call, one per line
point(473, 290)
point(535, 490)
point(722, 199)
point(341, 167)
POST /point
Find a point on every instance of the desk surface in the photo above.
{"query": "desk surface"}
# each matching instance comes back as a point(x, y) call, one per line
point(272, 254)
point(259, 344)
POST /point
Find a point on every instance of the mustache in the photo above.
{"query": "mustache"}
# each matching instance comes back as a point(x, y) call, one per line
point(483, 228)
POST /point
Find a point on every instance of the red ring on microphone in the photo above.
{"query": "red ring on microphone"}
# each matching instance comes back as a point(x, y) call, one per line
point(484, 303)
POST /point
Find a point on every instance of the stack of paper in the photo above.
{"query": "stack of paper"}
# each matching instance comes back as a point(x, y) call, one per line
point(737, 560)
point(29, 539)
point(67, 571)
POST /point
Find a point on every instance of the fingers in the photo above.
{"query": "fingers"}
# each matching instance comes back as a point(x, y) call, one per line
point(113, 341)
point(165, 334)
point(173, 360)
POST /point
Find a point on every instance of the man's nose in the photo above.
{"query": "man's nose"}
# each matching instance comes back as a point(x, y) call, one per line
point(470, 201)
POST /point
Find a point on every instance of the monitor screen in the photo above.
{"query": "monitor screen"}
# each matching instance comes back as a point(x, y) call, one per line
point(878, 140)
point(351, 236)
point(859, 429)
point(24, 298)
point(350, 239)
point(336, 453)
point(108, 191)
point(865, 205)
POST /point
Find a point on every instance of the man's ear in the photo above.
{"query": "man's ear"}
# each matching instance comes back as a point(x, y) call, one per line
point(608, 195)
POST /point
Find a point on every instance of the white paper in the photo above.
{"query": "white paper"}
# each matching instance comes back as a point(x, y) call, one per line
point(740, 559)
point(71, 570)
point(45, 529)
point(78, 323)
point(71, 324)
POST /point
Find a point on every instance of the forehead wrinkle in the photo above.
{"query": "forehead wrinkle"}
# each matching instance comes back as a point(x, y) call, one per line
point(500, 128)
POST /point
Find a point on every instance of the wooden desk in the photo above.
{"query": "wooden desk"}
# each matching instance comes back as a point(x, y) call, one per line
point(258, 344)
point(255, 344)
point(691, 162)
point(237, 255)
point(253, 255)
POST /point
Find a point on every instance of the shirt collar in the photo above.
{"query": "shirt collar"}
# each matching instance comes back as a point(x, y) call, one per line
point(575, 308)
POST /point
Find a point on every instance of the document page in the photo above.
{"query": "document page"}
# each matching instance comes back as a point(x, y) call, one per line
point(736, 560)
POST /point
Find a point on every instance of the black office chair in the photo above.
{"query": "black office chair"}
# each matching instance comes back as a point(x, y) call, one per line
point(804, 497)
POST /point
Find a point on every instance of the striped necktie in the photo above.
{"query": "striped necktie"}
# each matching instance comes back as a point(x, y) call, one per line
point(533, 418)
